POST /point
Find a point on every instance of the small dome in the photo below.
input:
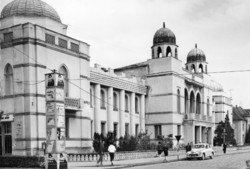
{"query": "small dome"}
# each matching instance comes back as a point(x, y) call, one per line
point(164, 35)
point(216, 87)
point(196, 54)
point(32, 8)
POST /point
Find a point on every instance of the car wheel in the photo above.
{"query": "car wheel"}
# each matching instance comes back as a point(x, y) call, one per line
point(203, 157)
point(212, 156)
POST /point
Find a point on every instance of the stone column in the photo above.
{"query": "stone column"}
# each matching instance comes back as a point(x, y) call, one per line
point(97, 122)
point(132, 114)
point(110, 110)
point(121, 113)
point(142, 114)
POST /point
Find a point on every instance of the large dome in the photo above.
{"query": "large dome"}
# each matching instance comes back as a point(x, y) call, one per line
point(164, 35)
point(32, 8)
point(196, 54)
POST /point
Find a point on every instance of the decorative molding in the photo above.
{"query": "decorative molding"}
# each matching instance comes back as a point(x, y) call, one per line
point(29, 65)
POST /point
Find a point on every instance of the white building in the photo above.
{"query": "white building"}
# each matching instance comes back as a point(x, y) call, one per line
point(180, 100)
point(164, 99)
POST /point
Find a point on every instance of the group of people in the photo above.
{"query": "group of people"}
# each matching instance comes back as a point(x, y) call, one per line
point(162, 148)
point(111, 150)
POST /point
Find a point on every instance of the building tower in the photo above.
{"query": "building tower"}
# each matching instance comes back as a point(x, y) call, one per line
point(196, 61)
point(164, 44)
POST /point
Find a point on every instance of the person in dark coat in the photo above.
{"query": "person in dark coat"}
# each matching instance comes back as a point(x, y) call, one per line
point(100, 152)
point(224, 148)
point(165, 150)
point(159, 149)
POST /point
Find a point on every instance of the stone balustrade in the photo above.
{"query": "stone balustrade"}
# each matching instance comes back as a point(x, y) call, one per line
point(118, 156)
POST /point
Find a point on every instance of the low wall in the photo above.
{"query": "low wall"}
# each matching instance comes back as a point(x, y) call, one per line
point(118, 155)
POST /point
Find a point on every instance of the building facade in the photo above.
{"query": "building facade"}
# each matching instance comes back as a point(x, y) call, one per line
point(161, 98)
point(180, 100)
point(241, 124)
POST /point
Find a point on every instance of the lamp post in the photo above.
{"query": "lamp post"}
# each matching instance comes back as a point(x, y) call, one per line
point(178, 137)
point(224, 135)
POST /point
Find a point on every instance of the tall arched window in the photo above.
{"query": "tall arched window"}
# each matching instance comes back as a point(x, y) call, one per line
point(9, 85)
point(192, 101)
point(186, 101)
point(198, 104)
point(178, 101)
point(115, 104)
point(103, 100)
point(168, 52)
point(159, 52)
point(64, 71)
point(193, 69)
point(201, 68)
point(126, 103)
point(208, 109)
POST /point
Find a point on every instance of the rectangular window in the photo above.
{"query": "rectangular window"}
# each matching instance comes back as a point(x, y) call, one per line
point(91, 128)
point(8, 37)
point(115, 129)
point(5, 138)
point(103, 128)
point(127, 129)
point(74, 47)
point(63, 43)
point(157, 131)
point(49, 39)
point(178, 129)
point(136, 129)
point(66, 126)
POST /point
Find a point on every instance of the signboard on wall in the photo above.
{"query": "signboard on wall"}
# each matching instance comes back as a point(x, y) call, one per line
point(55, 120)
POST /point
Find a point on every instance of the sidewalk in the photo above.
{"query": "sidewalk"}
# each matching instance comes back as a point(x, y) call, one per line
point(124, 163)
point(145, 161)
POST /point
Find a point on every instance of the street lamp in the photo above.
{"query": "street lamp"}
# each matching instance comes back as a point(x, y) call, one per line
point(224, 135)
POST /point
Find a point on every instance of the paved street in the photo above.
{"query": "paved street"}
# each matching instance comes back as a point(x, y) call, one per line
point(228, 161)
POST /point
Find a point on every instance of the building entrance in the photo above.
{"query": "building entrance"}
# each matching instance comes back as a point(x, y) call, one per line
point(5, 138)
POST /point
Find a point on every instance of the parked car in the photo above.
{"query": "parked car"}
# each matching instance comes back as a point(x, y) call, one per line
point(200, 151)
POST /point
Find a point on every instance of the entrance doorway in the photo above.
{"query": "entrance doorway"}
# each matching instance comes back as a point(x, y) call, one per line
point(5, 138)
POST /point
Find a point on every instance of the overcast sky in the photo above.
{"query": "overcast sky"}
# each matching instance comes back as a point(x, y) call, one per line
point(121, 32)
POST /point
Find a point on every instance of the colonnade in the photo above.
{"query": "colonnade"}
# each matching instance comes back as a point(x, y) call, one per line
point(134, 117)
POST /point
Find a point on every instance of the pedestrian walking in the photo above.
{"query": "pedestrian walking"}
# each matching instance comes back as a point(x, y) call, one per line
point(111, 150)
point(224, 148)
point(165, 150)
point(159, 149)
point(100, 152)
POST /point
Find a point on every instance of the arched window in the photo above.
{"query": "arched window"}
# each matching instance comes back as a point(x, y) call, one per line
point(208, 105)
point(137, 107)
point(198, 104)
point(178, 101)
point(159, 52)
point(192, 101)
point(186, 101)
point(9, 85)
point(126, 103)
point(115, 104)
point(168, 52)
point(64, 71)
point(103, 100)
point(201, 68)
point(176, 53)
point(193, 69)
